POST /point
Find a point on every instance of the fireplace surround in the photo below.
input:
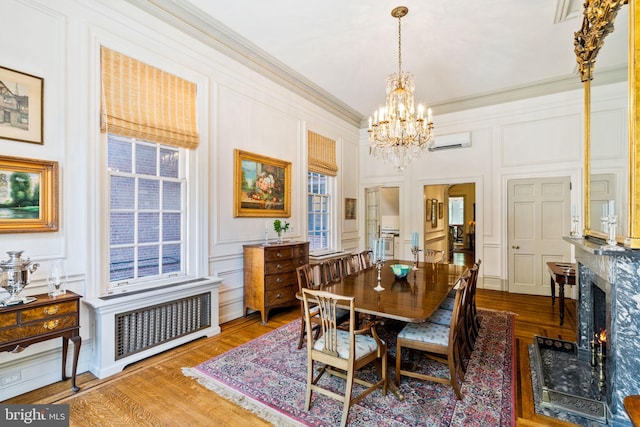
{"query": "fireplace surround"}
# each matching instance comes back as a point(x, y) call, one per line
point(611, 278)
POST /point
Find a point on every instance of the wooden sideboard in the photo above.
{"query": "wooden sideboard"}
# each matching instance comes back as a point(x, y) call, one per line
point(44, 319)
point(270, 279)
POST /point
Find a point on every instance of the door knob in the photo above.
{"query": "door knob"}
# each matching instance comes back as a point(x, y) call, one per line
point(515, 247)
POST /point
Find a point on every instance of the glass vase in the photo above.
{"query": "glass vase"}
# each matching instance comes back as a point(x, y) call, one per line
point(57, 278)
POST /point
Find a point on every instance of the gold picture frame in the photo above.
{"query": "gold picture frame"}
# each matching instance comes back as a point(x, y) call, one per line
point(28, 195)
point(350, 208)
point(440, 210)
point(21, 111)
point(262, 186)
point(434, 213)
point(427, 209)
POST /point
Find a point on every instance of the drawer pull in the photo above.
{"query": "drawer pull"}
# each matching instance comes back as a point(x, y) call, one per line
point(279, 255)
point(279, 267)
point(51, 324)
point(51, 310)
point(279, 280)
point(279, 296)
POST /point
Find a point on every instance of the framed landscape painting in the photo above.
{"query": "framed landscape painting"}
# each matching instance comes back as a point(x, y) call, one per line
point(21, 106)
point(28, 195)
point(262, 186)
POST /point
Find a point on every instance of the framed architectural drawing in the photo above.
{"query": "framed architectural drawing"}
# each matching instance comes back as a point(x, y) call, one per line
point(21, 106)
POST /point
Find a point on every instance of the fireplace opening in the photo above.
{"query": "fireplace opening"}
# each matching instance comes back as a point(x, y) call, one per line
point(599, 309)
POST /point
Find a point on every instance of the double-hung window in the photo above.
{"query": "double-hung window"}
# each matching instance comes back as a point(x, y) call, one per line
point(149, 118)
point(319, 212)
point(146, 211)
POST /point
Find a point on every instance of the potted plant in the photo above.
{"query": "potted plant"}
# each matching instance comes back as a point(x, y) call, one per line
point(280, 227)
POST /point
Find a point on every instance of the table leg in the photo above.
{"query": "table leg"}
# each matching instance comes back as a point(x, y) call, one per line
point(561, 286)
point(391, 384)
point(77, 342)
point(553, 292)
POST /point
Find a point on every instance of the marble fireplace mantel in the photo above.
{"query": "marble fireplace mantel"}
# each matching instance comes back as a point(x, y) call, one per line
point(617, 273)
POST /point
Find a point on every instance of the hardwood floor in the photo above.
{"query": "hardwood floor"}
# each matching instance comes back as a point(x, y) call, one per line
point(154, 392)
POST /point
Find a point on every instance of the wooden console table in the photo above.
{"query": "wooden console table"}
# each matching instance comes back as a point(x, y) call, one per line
point(41, 320)
point(562, 273)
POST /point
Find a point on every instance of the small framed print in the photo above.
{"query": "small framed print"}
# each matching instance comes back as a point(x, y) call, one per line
point(349, 208)
point(427, 209)
point(434, 213)
point(440, 210)
point(21, 106)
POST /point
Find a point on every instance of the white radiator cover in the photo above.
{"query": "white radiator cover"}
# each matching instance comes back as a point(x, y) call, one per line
point(105, 360)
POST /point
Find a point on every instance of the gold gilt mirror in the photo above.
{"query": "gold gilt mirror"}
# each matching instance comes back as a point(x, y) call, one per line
point(612, 175)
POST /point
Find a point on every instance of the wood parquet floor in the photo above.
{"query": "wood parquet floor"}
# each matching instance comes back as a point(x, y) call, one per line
point(154, 392)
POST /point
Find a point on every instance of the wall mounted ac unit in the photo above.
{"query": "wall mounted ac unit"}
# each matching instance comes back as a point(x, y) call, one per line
point(453, 140)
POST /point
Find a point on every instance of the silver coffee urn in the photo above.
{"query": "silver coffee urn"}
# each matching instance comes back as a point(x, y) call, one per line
point(15, 276)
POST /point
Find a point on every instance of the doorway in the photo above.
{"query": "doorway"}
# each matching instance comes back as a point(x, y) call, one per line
point(449, 221)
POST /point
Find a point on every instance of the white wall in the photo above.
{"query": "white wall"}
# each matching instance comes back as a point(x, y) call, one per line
point(59, 41)
point(531, 138)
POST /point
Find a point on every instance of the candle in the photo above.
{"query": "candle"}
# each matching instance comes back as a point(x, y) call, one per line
point(375, 250)
point(574, 210)
point(382, 250)
point(429, 115)
point(612, 207)
point(604, 210)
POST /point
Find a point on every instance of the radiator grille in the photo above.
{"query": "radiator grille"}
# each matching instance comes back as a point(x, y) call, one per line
point(143, 328)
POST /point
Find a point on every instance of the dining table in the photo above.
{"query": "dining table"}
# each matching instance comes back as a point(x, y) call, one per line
point(411, 299)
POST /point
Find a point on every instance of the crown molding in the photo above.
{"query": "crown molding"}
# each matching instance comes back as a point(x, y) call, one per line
point(192, 21)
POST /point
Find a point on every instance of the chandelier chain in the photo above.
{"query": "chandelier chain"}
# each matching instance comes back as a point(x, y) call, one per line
point(399, 46)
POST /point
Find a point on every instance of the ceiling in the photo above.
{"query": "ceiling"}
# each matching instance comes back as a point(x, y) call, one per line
point(463, 53)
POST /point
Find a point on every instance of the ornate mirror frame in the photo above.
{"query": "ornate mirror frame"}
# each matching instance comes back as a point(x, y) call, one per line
point(598, 22)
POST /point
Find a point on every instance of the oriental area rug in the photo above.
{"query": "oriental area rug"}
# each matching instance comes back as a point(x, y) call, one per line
point(268, 377)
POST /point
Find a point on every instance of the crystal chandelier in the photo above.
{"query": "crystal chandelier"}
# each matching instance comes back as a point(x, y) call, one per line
point(397, 132)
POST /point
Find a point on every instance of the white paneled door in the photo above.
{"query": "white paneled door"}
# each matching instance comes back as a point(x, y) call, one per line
point(539, 215)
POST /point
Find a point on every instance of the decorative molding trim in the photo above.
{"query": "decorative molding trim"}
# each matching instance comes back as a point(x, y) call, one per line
point(213, 33)
point(189, 19)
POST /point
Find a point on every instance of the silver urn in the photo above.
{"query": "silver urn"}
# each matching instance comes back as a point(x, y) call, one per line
point(15, 276)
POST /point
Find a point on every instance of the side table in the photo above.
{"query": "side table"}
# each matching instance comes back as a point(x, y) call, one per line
point(44, 319)
point(562, 273)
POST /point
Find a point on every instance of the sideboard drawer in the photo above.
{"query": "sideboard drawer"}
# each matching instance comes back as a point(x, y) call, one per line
point(281, 266)
point(39, 327)
point(280, 296)
point(277, 253)
point(46, 311)
point(8, 319)
point(275, 281)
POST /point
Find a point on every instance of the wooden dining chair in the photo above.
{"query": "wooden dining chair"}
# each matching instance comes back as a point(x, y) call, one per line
point(332, 270)
point(444, 344)
point(443, 314)
point(433, 256)
point(353, 264)
point(366, 259)
point(340, 352)
point(307, 280)
point(310, 277)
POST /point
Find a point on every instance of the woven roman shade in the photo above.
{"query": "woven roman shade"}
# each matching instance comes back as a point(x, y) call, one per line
point(322, 154)
point(143, 102)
